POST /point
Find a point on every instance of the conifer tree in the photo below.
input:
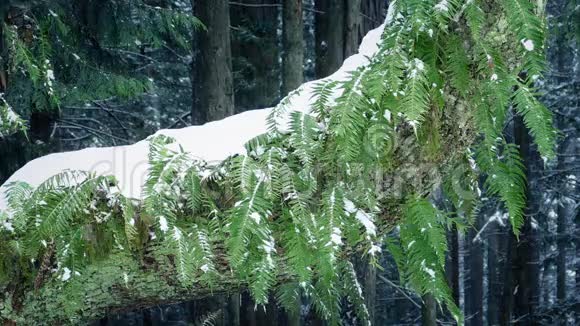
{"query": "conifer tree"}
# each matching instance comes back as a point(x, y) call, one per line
point(79, 73)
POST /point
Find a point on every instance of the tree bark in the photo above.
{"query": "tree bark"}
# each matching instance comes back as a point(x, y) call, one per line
point(214, 94)
point(452, 263)
point(329, 35)
point(526, 261)
point(233, 309)
point(429, 311)
point(506, 306)
point(565, 210)
point(293, 57)
point(340, 27)
point(353, 20)
point(370, 291)
point(494, 253)
point(474, 264)
point(256, 59)
point(373, 14)
point(294, 319)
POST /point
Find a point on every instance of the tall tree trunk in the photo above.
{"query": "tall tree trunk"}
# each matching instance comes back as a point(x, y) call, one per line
point(565, 210)
point(507, 302)
point(563, 98)
point(474, 298)
point(329, 33)
point(294, 319)
point(293, 58)
point(452, 263)
point(577, 236)
point(494, 253)
point(373, 14)
point(370, 291)
point(249, 317)
point(233, 309)
point(214, 86)
point(526, 261)
point(352, 22)
point(340, 27)
point(429, 311)
point(3, 52)
point(256, 59)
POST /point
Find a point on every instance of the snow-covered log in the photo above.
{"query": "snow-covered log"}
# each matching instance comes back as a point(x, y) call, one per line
point(121, 283)
point(211, 142)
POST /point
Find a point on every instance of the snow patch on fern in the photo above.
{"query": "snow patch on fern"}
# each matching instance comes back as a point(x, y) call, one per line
point(442, 6)
point(528, 44)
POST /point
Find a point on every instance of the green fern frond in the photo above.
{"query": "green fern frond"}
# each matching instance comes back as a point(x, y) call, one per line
point(415, 101)
point(475, 18)
point(288, 296)
point(184, 255)
point(424, 244)
point(505, 178)
point(193, 190)
point(529, 28)
point(211, 319)
point(458, 65)
point(353, 292)
point(538, 120)
point(304, 137)
point(203, 254)
point(323, 92)
point(131, 232)
point(244, 169)
point(348, 118)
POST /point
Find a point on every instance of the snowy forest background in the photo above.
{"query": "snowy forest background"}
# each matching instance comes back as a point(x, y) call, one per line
point(122, 69)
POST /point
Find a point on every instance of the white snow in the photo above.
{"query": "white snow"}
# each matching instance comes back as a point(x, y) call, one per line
point(7, 226)
point(387, 115)
point(528, 44)
point(269, 245)
point(163, 224)
point(176, 233)
point(363, 217)
point(8, 113)
point(418, 66)
point(66, 274)
point(428, 270)
point(374, 250)
point(366, 220)
point(442, 6)
point(336, 236)
point(256, 217)
point(212, 142)
point(50, 74)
